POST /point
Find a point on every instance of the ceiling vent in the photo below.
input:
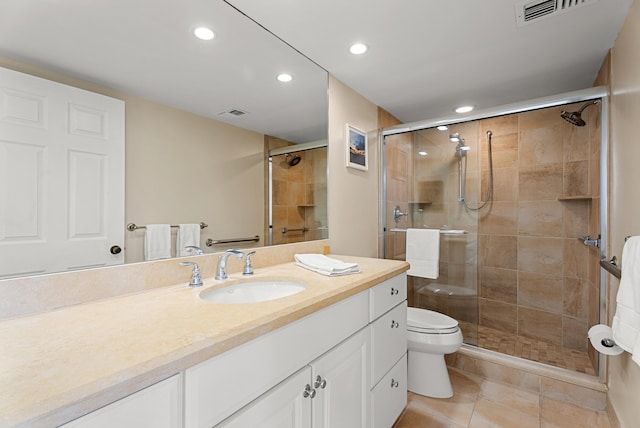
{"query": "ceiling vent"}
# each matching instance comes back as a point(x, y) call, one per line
point(530, 11)
point(233, 113)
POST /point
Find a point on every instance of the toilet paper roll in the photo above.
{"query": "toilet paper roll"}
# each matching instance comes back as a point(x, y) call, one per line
point(601, 337)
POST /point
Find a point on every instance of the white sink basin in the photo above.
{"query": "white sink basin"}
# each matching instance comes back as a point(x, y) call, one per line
point(253, 291)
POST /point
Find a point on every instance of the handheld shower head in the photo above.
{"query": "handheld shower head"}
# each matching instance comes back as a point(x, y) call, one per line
point(575, 117)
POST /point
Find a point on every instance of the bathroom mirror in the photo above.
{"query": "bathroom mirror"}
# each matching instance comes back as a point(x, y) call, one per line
point(145, 53)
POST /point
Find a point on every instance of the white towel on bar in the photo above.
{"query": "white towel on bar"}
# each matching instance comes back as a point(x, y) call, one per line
point(157, 242)
point(188, 234)
point(325, 265)
point(626, 322)
point(423, 252)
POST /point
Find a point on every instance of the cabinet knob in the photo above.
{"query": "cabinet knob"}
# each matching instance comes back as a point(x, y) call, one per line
point(394, 324)
point(320, 383)
point(308, 391)
point(115, 249)
point(394, 291)
point(394, 383)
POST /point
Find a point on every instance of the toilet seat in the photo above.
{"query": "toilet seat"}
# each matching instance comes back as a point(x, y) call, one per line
point(430, 322)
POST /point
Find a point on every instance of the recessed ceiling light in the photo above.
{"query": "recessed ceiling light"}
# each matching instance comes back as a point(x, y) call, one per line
point(422, 153)
point(464, 109)
point(203, 33)
point(284, 77)
point(442, 128)
point(358, 48)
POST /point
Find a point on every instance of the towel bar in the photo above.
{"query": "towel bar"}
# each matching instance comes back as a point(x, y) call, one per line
point(132, 226)
point(211, 242)
point(302, 229)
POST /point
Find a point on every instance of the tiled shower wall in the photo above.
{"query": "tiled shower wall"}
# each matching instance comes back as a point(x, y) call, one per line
point(534, 272)
point(534, 278)
point(299, 197)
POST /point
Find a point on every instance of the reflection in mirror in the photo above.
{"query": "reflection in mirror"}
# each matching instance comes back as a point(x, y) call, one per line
point(187, 159)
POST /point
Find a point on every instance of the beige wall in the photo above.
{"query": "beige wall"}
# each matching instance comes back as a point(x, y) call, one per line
point(624, 375)
point(352, 194)
point(182, 168)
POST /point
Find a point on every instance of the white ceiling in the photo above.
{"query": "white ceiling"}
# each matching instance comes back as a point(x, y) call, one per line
point(425, 56)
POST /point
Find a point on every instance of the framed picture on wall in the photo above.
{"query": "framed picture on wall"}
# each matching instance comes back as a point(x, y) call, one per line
point(357, 149)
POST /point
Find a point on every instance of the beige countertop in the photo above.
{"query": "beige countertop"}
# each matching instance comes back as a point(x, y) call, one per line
point(58, 365)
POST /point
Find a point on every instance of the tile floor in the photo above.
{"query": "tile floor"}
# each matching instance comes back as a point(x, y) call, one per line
point(480, 403)
point(531, 349)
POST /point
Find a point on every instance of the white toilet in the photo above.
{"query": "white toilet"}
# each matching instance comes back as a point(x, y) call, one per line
point(430, 335)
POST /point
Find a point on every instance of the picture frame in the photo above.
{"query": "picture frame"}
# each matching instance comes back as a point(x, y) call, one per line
point(357, 150)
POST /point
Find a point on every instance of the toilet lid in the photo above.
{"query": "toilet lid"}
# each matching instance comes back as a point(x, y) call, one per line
point(429, 321)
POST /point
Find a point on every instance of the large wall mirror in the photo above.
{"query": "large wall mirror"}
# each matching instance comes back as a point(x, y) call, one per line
point(205, 121)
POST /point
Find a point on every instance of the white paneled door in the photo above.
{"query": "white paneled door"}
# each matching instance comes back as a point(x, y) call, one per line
point(61, 177)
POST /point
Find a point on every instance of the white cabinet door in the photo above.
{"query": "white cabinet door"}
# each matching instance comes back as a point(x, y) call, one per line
point(157, 406)
point(389, 397)
point(340, 379)
point(285, 406)
point(61, 176)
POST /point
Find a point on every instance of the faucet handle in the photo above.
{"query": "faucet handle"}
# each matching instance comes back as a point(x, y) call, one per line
point(197, 250)
point(196, 279)
point(248, 268)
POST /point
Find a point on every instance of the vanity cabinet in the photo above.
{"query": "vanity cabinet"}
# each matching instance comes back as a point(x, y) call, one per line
point(388, 329)
point(332, 391)
point(157, 406)
point(219, 387)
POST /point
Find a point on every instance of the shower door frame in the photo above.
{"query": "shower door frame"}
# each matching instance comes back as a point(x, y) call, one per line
point(597, 92)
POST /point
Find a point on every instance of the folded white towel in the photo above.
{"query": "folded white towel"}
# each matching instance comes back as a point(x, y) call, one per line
point(188, 234)
point(157, 242)
point(423, 252)
point(626, 322)
point(325, 265)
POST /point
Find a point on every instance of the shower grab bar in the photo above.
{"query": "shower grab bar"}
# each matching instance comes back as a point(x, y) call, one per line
point(302, 229)
point(211, 242)
point(132, 226)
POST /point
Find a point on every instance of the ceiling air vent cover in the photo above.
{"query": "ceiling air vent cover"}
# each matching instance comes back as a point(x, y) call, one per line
point(232, 113)
point(530, 11)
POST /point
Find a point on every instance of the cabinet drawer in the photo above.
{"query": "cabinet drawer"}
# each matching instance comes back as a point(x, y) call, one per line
point(388, 341)
point(157, 406)
point(389, 397)
point(387, 294)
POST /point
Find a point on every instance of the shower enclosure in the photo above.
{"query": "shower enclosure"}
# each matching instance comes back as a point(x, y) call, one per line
point(514, 192)
point(297, 194)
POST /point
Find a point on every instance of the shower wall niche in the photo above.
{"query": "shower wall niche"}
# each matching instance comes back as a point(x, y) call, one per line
point(518, 279)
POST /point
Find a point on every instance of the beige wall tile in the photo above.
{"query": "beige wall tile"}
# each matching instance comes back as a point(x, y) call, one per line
point(504, 151)
point(543, 118)
point(575, 258)
point(505, 184)
point(540, 182)
point(498, 251)
point(575, 297)
point(498, 315)
point(540, 218)
point(499, 284)
point(576, 218)
point(576, 178)
point(540, 291)
point(523, 380)
point(574, 334)
point(540, 325)
point(541, 255)
point(577, 147)
point(501, 125)
point(500, 219)
point(540, 146)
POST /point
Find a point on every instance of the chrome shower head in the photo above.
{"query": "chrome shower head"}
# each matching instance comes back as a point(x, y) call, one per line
point(293, 160)
point(575, 117)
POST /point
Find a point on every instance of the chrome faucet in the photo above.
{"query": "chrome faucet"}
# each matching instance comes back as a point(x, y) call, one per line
point(196, 279)
point(248, 267)
point(221, 271)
